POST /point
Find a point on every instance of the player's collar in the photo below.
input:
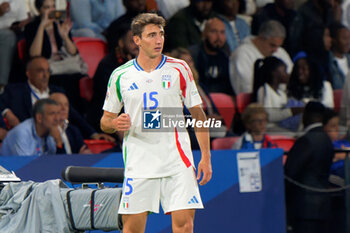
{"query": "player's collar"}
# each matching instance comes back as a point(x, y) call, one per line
point(160, 65)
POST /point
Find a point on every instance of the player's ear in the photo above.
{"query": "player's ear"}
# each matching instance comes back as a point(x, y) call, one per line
point(137, 40)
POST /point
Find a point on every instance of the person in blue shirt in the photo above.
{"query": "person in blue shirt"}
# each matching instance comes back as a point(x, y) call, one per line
point(32, 136)
point(255, 119)
point(92, 17)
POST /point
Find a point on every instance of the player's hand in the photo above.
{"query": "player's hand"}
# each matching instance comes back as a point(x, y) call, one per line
point(122, 122)
point(204, 167)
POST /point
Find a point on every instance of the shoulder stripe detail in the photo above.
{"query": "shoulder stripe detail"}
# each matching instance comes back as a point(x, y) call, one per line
point(137, 66)
point(183, 64)
point(162, 62)
point(126, 65)
point(118, 87)
point(182, 83)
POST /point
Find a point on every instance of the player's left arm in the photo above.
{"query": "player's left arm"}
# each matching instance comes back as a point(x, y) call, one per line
point(202, 135)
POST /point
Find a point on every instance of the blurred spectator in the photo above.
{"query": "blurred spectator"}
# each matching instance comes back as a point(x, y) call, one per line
point(91, 17)
point(306, 82)
point(32, 136)
point(125, 50)
point(133, 8)
point(186, 26)
point(308, 26)
point(345, 18)
point(211, 58)
point(255, 120)
point(281, 11)
point(267, 43)
point(46, 36)
point(60, 5)
point(309, 163)
point(339, 58)
point(270, 76)
point(345, 103)
point(331, 127)
point(209, 106)
point(67, 136)
point(236, 28)
point(13, 17)
point(170, 7)
point(16, 103)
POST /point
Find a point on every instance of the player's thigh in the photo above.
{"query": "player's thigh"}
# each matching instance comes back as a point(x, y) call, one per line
point(180, 191)
point(134, 223)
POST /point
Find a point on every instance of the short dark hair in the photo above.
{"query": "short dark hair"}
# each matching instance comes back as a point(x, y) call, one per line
point(144, 19)
point(39, 106)
point(334, 28)
point(39, 4)
point(328, 115)
point(30, 61)
point(313, 113)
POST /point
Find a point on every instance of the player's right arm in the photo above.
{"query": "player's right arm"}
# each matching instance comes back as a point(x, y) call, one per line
point(111, 122)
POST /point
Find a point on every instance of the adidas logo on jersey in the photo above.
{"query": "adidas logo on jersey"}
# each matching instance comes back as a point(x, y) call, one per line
point(193, 200)
point(133, 87)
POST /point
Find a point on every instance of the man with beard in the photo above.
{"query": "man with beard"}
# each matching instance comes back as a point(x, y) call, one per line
point(211, 58)
point(186, 26)
point(124, 51)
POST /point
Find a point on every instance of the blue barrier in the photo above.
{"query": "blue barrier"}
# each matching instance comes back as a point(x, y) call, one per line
point(226, 209)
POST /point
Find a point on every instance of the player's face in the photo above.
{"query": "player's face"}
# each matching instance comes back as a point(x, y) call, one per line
point(152, 40)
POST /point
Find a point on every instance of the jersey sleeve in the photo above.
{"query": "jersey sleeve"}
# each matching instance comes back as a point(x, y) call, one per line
point(190, 94)
point(113, 100)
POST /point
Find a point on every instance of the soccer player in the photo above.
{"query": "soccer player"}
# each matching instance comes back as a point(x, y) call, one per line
point(158, 165)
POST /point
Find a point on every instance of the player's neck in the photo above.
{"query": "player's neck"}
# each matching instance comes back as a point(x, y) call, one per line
point(148, 64)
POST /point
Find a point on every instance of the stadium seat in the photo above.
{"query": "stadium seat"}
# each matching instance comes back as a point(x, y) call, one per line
point(223, 143)
point(243, 100)
point(225, 106)
point(97, 146)
point(337, 95)
point(21, 48)
point(284, 143)
point(92, 50)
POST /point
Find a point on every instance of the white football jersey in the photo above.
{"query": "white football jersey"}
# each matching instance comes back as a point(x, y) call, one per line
point(154, 153)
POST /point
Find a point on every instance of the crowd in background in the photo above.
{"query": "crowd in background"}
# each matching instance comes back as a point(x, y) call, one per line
point(284, 53)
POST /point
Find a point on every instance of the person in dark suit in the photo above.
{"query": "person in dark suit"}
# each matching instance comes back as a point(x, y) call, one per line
point(309, 163)
point(66, 135)
point(17, 100)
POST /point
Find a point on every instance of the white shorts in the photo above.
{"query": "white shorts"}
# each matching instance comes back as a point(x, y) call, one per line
point(176, 192)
